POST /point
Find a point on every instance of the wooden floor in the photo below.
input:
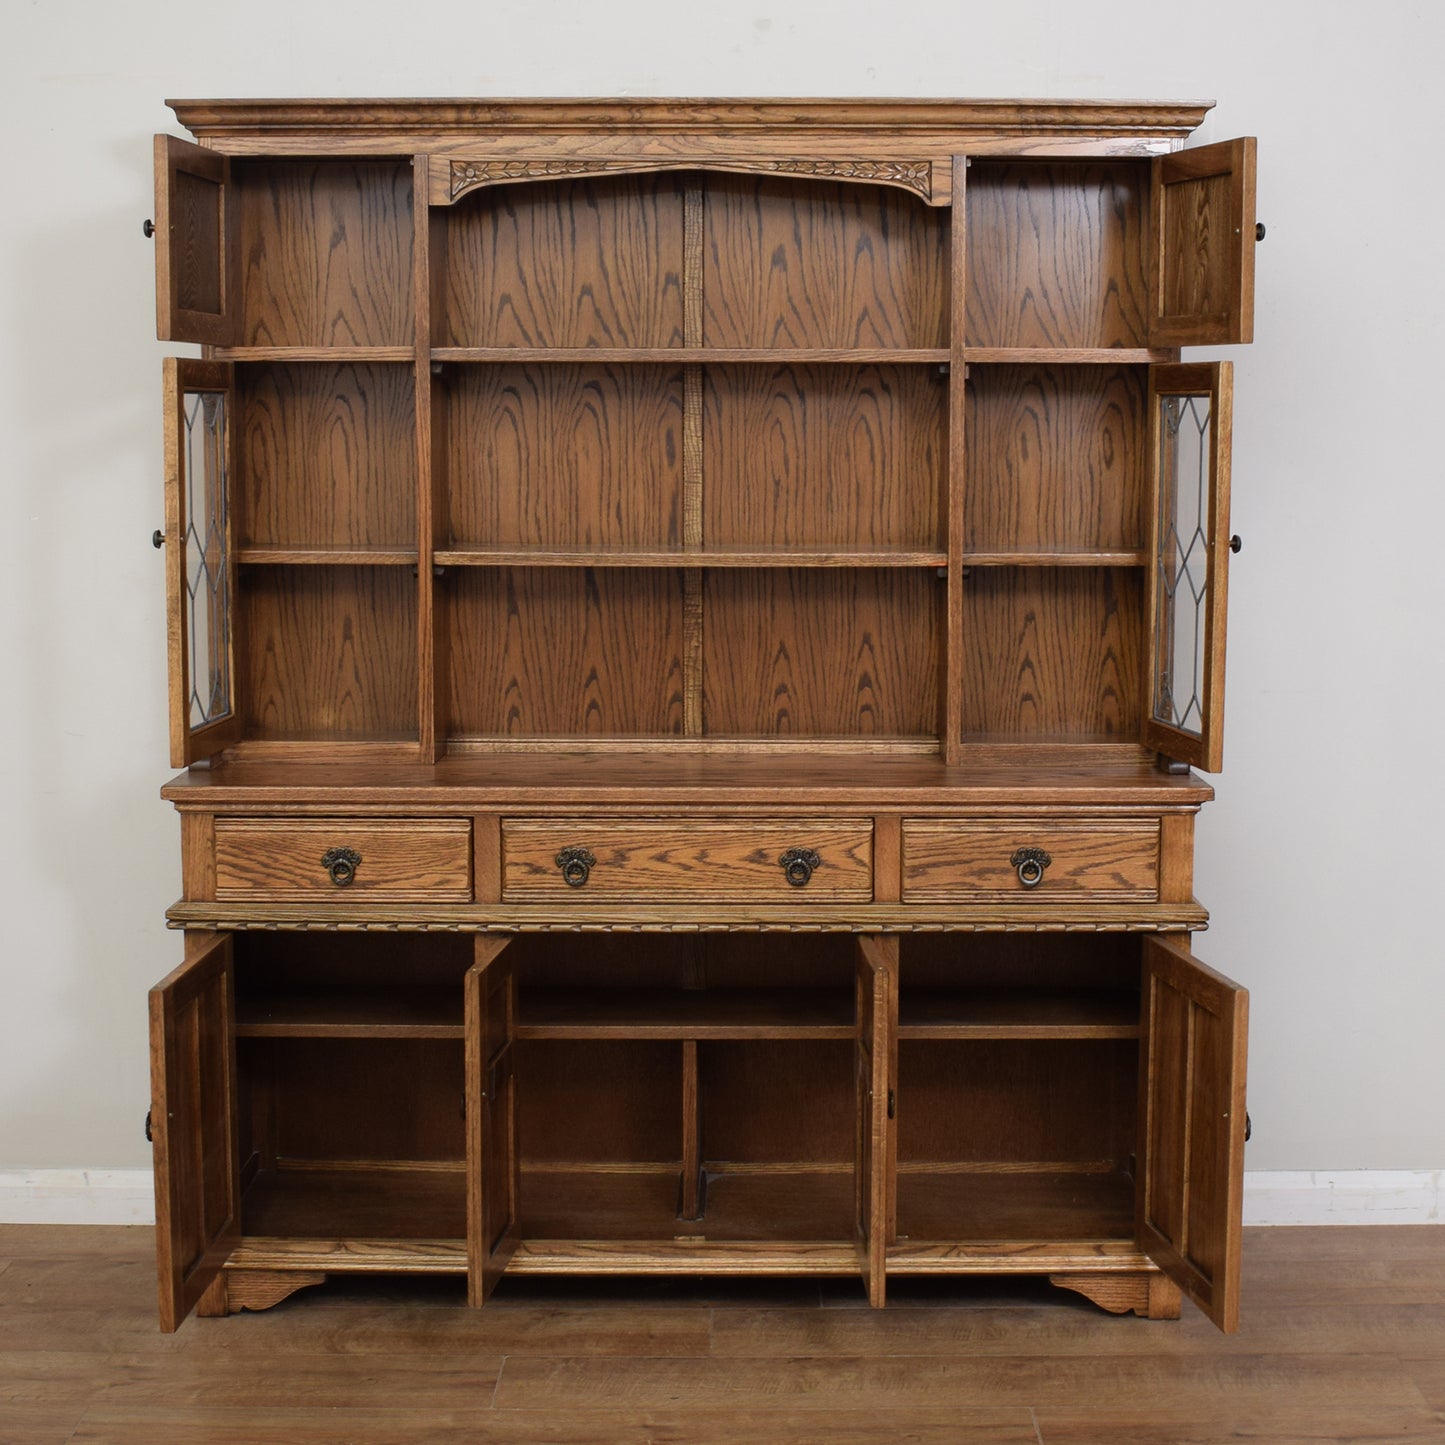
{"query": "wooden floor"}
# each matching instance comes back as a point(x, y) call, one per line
point(1343, 1340)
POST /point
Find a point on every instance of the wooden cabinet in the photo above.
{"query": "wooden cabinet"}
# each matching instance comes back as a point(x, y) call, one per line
point(688, 627)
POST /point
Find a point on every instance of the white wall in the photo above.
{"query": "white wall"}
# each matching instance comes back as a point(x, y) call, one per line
point(1319, 857)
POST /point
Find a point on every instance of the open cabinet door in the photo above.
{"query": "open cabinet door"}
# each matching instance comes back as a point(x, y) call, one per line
point(1201, 279)
point(493, 1163)
point(193, 1124)
point(197, 259)
point(1191, 1176)
point(1190, 418)
point(875, 1160)
point(200, 560)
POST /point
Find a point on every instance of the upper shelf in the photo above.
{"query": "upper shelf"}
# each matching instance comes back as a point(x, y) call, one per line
point(843, 356)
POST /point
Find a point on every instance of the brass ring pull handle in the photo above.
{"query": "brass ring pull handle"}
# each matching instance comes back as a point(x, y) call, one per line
point(341, 864)
point(798, 864)
point(1030, 863)
point(576, 865)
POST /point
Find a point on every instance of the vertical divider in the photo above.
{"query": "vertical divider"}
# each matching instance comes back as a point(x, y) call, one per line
point(428, 261)
point(953, 669)
point(692, 479)
point(692, 1196)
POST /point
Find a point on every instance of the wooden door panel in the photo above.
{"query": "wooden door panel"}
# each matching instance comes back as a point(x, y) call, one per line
point(875, 1160)
point(493, 1160)
point(197, 267)
point(1190, 432)
point(1192, 1098)
point(1202, 271)
point(193, 1124)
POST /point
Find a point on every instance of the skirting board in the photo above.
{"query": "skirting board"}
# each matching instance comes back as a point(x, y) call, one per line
point(1347, 1196)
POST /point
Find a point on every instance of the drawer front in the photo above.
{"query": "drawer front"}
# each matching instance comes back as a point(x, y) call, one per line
point(718, 859)
point(983, 859)
point(337, 860)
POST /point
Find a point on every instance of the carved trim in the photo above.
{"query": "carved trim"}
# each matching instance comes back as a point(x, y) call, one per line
point(1150, 1295)
point(261, 1289)
point(910, 175)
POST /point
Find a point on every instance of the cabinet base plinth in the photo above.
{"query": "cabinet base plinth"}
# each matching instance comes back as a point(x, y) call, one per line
point(254, 1289)
point(1151, 1296)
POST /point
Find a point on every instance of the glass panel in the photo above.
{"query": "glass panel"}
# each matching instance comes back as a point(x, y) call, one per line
point(207, 560)
point(1184, 460)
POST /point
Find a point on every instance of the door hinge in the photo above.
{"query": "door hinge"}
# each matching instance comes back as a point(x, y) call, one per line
point(892, 1104)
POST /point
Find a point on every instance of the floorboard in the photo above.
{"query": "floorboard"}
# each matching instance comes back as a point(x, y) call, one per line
point(1342, 1340)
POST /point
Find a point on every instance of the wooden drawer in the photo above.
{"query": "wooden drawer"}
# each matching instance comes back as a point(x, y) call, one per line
point(401, 859)
point(721, 859)
point(956, 859)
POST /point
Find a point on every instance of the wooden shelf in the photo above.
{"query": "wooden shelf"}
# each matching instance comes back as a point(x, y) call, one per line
point(340, 556)
point(732, 1013)
point(1017, 1014)
point(393, 1013)
point(1013, 1203)
point(1067, 355)
point(416, 1202)
point(1047, 557)
point(314, 353)
point(700, 355)
point(661, 557)
point(766, 1204)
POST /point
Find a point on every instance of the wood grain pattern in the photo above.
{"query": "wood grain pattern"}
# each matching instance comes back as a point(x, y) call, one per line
point(560, 652)
point(326, 456)
point(326, 252)
point(688, 1014)
point(586, 457)
point(824, 456)
point(195, 237)
point(821, 263)
point(1192, 1111)
point(1053, 653)
point(801, 653)
point(1056, 458)
point(1056, 254)
point(710, 858)
point(327, 652)
point(587, 262)
point(281, 858)
point(944, 858)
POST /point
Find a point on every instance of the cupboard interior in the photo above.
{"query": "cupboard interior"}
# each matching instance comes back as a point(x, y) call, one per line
point(691, 1089)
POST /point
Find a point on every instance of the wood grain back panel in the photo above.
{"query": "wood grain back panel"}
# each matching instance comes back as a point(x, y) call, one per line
point(327, 652)
point(1044, 961)
point(839, 652)
point(1016, 1103)
point(564, 652)
point(1056, 253)
point(777, 1102)
point(326, 456)
point(565, 456)
point(823, 456)
point(1056, 458)
point(822, 263)
point(326, 252)
point(1053, 652)
point(594, 262)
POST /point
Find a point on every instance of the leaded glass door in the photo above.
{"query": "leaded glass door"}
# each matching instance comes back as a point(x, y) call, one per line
point(1189, 429)
point(200, 562)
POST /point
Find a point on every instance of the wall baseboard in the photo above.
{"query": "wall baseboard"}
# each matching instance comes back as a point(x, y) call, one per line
point(1342, 1196)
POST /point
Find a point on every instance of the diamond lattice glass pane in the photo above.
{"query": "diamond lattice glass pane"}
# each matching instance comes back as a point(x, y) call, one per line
point(207, 565)
point(1183, 553)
